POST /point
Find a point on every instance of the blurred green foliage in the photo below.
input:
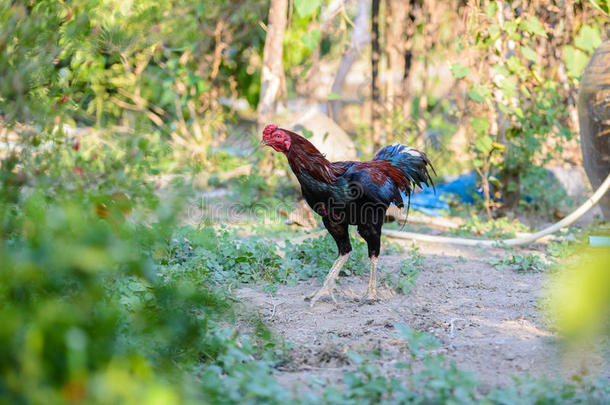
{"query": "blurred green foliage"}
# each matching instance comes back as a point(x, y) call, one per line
point(519, 99)
point(149, 66)
point(90, 306)
point(580, 294)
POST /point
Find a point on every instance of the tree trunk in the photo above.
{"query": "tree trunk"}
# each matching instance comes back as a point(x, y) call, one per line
point(407, 48)
point(375, 53)
point(396, 13)
point(272, 77)
point(360, 37)
point(594, 114)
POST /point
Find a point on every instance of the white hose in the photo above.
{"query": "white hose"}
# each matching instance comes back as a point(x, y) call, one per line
point(579, 212)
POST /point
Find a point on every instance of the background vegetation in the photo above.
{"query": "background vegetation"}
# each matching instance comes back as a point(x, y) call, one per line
point(116, 115)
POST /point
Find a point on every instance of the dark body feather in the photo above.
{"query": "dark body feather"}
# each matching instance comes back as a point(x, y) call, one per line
point(356, 193)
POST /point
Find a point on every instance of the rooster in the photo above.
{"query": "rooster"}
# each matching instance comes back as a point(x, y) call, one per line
point(351, 193)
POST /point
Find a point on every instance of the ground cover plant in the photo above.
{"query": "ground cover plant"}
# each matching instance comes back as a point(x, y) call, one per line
point(520, 263)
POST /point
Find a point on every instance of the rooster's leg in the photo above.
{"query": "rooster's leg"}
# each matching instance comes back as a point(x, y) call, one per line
point(371, 294)
point(371, 233)
point(329, 283)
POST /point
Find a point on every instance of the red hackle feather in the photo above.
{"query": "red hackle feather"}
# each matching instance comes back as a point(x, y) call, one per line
point(304, 157)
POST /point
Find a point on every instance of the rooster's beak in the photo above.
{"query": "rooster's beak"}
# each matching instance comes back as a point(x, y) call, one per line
point(263, 142)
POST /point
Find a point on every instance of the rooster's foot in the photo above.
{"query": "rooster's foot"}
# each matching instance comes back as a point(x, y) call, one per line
point(325, 290)
point(369, 298)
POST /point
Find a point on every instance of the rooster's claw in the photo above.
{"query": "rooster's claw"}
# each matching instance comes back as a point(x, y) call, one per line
point(369, 298)
point(325, 290)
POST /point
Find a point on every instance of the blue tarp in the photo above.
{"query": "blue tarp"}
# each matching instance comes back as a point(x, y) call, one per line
point(463, 188)
point(431, 203)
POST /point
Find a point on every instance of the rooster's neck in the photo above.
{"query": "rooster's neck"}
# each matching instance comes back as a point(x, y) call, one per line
point(304, 157)
point(314, 164)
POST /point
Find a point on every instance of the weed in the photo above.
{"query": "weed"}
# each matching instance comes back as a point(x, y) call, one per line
point(531, 263)
point(560, 250)
point(409, 273)
point(439, 381)
point(222, 257)
point(493, 228)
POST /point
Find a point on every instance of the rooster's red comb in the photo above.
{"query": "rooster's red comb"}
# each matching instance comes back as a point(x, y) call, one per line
point(269, 129)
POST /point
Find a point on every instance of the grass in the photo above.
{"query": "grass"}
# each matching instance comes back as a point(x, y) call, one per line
point(530, 263)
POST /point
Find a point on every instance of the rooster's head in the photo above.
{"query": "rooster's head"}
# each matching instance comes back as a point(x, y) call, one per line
point(277, 138)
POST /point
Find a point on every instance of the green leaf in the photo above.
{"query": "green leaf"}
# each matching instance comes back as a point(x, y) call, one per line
point(533, 26)
point(200, 8)
point(519, 112)
point(458, 44)
point(476, 96)
point(588, 39)
point(334, 96)
point(514, 64)
point(504, 109)
point(525, 91)
point(418, 341)
point(355, 357)
point(458, 71)
point(480, 125)
point(499, 69)
point(575, 60)
point(494, 32)
point(305, 8)
point(491, 9)
point(529, 53)
point(307, 133)
point(511, 28)
point(499, 146)
point(203, 86)
point(311, 39)
point(484, 144)
point(507, 85)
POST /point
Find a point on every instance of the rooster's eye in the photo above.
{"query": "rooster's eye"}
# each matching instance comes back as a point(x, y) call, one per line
point(278, 137)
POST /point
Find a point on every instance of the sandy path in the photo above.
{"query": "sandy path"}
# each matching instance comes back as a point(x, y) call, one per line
point(488, 321)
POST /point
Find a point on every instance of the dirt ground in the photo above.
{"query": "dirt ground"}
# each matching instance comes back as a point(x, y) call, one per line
point(489, 322)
